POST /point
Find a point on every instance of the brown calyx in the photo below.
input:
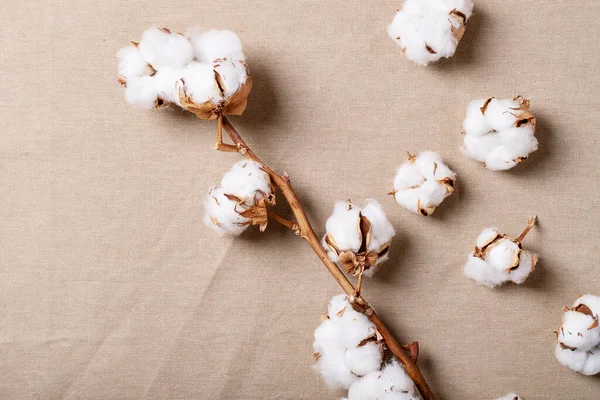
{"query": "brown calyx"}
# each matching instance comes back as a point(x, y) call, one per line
point(425, 211)
point(461, 18)
point(522, 113)
point(357, 262)
point(429, 49)
point(233, 105)
point(257, 213)
point(485, 105)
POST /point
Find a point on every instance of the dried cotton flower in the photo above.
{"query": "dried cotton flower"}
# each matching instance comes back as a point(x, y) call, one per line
point(241, 200)
point(359, 238)
point(427, 30)
point(578, 339)
point(202, 72)
point(423, 182)
point(346, 345)
point(499, 133)
point(499, 258)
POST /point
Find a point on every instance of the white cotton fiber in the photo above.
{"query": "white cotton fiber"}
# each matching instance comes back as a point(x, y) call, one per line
point(499, 133)
point(499, 258)
point(578, 338)
point(240, 190)
point(423, 182)
point(345, 346)
point(510, 396)
point(428, 30)
point(347, 241)
point(207, 75)
point(390, 383)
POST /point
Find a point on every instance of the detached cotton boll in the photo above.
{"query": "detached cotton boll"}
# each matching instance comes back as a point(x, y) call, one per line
point(428, 30)
point(499, 258)
point(423, 182)
point(241, 200)
point(499, 133)
point(345, 345)
point(578, 339)
point(510, 396)
point(204, 73)
point(391, 383)
point(359, 238)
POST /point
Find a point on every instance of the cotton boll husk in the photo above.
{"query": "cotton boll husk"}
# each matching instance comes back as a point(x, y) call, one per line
point(232, 76)
point(464, 6)
point(161, 48)
point(500, 159)
point(342, 225)
point(478, 147)
point(131, 63)
point(215, 44)
point(221, 214)
point(247, 180)
point(478, 270)
point(141, 92)
point(199, 83)
point(166, 82)
point(519, 142)
point(382, 230)
point(475, 123)
point(575, 331)
point(593, 302)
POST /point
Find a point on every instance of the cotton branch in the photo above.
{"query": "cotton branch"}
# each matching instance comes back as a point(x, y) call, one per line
point(307, 232)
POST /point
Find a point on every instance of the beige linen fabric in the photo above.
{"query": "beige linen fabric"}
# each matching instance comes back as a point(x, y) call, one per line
point(111, 287)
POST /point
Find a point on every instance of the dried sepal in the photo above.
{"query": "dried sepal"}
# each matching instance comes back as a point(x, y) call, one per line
point(461, 19)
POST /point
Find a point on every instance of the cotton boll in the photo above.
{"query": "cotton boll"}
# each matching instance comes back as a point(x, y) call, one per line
point(131, 64)
point(423, 182)
point(499, 132)
point(215, 44)
point(141, 92)
point(584, 362)
point(221, 214)
point(161, 48)
point(199, 83)
point(429, 30)
point(247, 180)
point(499, 258)
point(391, 383)
point(575, 332)
point(344, 345)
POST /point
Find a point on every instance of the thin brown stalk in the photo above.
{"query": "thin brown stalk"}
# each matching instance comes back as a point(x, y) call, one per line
point(307, 232)
point(530, 223)
point(285, 222)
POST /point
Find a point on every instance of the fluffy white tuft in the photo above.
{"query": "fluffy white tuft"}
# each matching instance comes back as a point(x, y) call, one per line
point(346, 234)
point(240, 189)
point(498, 259)
point(204, 66)
point(390, 383)
point(499, 132)
point(428, 30)
point(578, 339)
point(423, 182)
point(344, 345)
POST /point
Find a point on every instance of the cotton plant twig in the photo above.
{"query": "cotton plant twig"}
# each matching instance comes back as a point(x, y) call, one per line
point(285, 222)
point(407, 357)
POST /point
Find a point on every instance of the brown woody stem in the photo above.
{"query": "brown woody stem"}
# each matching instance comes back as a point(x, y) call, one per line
point(530, 223)
point(359, 282)
point(307, 232)
point(219, 145)
point(285, 222)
